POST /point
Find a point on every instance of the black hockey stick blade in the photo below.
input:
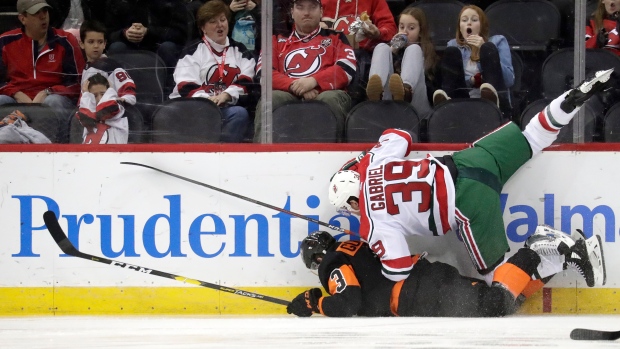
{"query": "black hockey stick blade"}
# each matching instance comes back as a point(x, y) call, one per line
point(582, 334)
point(67, 247)
point(330, 226)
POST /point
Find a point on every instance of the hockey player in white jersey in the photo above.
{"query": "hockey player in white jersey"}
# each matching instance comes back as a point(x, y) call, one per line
point(101, 114)
point(397, 197)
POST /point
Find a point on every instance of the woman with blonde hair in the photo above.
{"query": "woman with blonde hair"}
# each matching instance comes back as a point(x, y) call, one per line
point(476, 65)
point(406, 64)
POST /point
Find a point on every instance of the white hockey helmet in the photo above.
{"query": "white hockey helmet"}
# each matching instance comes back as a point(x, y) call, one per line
point(344, 187)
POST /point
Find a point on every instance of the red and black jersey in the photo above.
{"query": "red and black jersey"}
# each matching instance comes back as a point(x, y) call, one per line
point(324, 55)
point(351, 274)
point(613, 37)
point(27, 68)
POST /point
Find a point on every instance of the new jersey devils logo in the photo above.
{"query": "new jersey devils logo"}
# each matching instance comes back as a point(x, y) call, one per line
point(303, 61)
point(230, 75)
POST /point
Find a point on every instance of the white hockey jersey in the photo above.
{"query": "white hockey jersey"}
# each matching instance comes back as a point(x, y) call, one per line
point(118, 78)
point(401, 197)
point(197, 72)
point(111, 125)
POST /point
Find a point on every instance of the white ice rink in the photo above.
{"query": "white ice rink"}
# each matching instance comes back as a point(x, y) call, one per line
point(290, 332)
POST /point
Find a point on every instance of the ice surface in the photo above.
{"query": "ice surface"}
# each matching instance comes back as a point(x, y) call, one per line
point(154, 332)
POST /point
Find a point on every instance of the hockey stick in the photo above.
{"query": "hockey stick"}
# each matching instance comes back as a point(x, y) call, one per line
point(582, 334)
point(333, 227)
point(67, 247)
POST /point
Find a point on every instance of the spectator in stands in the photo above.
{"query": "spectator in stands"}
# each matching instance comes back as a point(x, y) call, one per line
point(159, 26)
point(245, 27)
point(70, 14)
point(476, 65)
point(214, 67)
point(406, 64)
point(602, 32)
point(93, 42)
point(602, 29)
point(55, 79)
point(339, 14)
point(101, 114)
point(310, 63)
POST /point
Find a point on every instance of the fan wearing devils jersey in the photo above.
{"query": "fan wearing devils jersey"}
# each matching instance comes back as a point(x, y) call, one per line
point(215, 68)
point(92, 35)
point(310, 64)
point(101, 114)
point(602, 29)
point(398, 197)
point(340, 14)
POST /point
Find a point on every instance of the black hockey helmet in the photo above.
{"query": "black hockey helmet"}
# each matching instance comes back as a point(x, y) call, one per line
point(313, 245)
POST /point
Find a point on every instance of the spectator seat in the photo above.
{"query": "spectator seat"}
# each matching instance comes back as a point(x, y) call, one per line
point(442, 17)
point(187, 120)
point(367, 120)
point(611, 129)
point(304, 122)
point(462, 120)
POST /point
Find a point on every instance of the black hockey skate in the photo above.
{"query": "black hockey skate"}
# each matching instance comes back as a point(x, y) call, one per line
point(579, 95)
point(586, 257)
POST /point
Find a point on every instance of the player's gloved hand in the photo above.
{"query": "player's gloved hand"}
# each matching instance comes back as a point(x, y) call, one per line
point(305, 303)
point(352, 164)
point(602, 38)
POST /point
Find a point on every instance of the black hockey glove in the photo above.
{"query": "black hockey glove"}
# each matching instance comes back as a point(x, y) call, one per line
point(88, 120)
point(305, 303)
point(601, 38)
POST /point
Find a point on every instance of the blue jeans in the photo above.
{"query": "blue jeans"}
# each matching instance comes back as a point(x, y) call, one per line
point(235, 121)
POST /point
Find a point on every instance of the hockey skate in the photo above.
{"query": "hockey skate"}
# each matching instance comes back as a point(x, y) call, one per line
point(579, 95)
point(547, 241)
point(586, 257)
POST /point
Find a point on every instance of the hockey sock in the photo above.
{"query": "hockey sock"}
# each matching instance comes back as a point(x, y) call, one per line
point(543, 129)
point(532, 287)
point(516, 273)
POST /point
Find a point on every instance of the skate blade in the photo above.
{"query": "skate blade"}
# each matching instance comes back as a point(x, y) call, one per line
point(600, 76)
point(597, 248)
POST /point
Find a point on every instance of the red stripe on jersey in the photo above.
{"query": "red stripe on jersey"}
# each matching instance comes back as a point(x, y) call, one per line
point(542, 118)
point(401, 264)
point(441, 192)
point(127, 89)
point(403, 134)
point(364, 222)
point(470, 242)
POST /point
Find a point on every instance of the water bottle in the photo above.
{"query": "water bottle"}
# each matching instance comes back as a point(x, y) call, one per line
point(399, 41)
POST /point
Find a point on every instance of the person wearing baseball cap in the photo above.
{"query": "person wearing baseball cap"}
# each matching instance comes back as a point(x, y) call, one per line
point(31, 6)
point(54, 78)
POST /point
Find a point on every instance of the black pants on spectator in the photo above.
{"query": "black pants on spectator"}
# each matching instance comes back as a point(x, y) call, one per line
point(453, 74)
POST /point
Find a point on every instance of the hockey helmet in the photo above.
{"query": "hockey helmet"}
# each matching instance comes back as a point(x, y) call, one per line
point(344, 187)
point(315, 245)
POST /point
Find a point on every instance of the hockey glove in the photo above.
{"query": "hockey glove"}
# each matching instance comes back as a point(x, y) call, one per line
point(601, 38)
point(305, 303)
point(352, 164)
